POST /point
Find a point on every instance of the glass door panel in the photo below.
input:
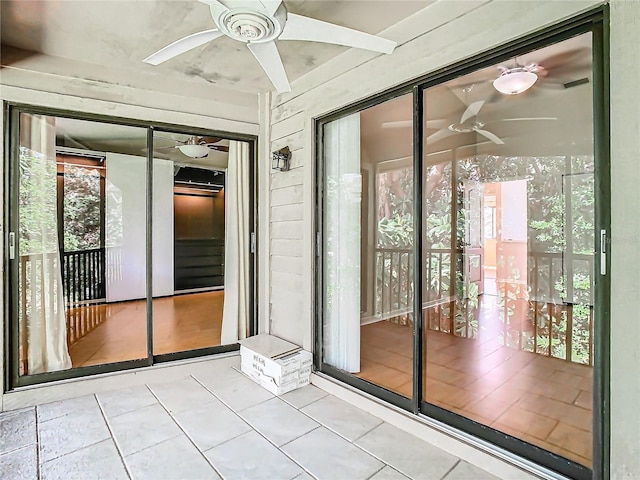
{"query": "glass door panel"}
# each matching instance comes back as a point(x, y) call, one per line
point(508, 260)
point(188, 243)
point(368, 268)
point(80, 244)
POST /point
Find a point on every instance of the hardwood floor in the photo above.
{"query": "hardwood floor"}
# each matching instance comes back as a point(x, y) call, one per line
point(118, 331)
point(544, 401)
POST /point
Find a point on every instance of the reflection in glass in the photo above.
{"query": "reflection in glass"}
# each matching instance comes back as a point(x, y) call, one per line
point(509, 252)
point(81, 240)
point(188, 243)
point(368, 270)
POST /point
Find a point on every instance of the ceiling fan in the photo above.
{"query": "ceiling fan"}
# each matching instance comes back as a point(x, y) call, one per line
point(464, 126)
point(196, 147)
point(447, 129)
point(258, 24)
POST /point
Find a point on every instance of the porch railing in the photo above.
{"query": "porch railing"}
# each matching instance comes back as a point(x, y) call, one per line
point(84, 276)
point(537, 315)
point(83, 284)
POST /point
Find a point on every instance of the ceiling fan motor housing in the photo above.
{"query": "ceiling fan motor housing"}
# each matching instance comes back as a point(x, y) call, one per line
point(248, 25)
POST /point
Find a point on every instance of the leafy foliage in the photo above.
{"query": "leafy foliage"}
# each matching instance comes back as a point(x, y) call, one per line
point(81, 208)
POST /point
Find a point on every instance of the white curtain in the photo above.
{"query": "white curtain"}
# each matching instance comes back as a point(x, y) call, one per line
point(235, 312)
point(42, 309)
point(342, 243)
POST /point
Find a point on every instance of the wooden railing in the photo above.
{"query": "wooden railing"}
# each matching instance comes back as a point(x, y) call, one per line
point(83, 284)
point(84, 276)
point(535, 315)
point(394, 283)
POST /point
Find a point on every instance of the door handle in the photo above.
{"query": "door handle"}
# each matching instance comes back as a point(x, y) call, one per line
point(603, 252)
point(12, 245)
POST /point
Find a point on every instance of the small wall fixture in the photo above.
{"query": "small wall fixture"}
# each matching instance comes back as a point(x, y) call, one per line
point(281, 159)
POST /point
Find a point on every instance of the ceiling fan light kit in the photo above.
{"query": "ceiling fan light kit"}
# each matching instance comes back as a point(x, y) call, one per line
point(515, 80)
point(194, 151)
point(259, 26)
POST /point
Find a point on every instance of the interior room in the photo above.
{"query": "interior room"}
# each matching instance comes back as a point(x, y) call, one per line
point(102, 238)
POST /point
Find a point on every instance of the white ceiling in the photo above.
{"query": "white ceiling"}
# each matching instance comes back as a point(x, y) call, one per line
point(118, 34)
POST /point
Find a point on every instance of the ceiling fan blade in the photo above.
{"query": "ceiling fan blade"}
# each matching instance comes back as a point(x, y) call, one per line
point(218, 8)
point(439, 135)
point(270, 61)
point(183, 45)
point(220, 148)
point(299, 27)
point(527, 119)
point(491, 136)
point(471, 111)
point(437, 123)
point(565, 58)
point(213, 3)
point(271, 6)
point(210, 140)
point(398, 124)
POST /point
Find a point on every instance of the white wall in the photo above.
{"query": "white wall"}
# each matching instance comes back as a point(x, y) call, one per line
point(162, 228)
point(625, 239)
point(442, 34)
point(126, 235)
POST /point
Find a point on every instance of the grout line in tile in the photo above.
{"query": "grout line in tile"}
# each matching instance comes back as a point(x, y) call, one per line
point(113, 438)
point(368, 431)
point(396, 468)
point(183, 431)
point(59, 456)
point(12, 450)
point(63, 400)
point(260, 433)
point(334, 431)
point(123, 413)
point(305, 406)
point(76, 450)
point(38, 472)
point(299, 436)
point(377, 471)
point(451, 469)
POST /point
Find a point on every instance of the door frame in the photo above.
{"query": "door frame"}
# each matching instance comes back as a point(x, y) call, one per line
point(11, 112)
point(595, 21)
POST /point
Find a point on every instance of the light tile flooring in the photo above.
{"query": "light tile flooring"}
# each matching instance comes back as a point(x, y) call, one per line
point(214, 425)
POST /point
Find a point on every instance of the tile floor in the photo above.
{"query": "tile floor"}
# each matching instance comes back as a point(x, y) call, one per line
point(214, 425)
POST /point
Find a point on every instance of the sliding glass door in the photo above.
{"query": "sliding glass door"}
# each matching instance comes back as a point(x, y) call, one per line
point(501, 250)
point(368, 263)
point(117, 253)
point(78, 248)
point(508, 276)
